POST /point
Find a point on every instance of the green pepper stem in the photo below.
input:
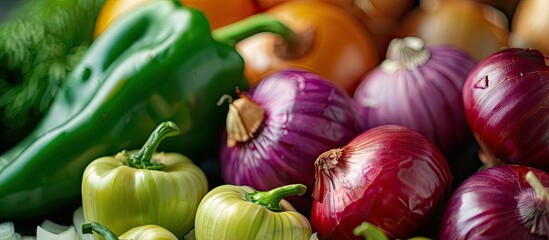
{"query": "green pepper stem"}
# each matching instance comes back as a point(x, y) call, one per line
point(143, 158)
point(271, 199)
point(369, 232)
point(88, 227)
point(258, 23)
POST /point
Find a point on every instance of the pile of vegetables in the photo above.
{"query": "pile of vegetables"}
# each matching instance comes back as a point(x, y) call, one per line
point(284, 119)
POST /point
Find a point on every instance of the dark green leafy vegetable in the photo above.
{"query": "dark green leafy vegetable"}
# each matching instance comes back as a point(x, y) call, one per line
point(40, 42)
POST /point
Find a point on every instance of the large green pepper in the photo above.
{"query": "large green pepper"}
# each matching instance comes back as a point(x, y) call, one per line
point(157, 63)
point(241, 212)
point(144, 187)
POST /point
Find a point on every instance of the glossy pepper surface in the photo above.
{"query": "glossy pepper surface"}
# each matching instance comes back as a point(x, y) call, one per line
point(156, 64)
point(144, 187)
point(145, 232)
point(241, 212)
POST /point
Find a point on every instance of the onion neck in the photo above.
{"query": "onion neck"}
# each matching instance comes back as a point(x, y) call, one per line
point(405, 53)
point(328, 160)
point(271, 199)
point(89, 227)
point(534, 210)
point(324, 165)
point(143, 158)
point(243, 119)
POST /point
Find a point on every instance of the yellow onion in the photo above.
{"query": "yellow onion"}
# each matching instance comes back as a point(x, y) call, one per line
point(476, 28)
point(531, 24)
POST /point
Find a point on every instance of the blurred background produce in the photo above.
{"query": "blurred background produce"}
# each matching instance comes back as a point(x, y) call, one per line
point(476, 28)
point(40, 42)
point(530, 25)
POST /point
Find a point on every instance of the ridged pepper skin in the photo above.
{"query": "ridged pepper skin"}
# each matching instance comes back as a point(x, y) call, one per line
point(144, 187)
point(145, 232)
point(241, 212)
point(157, 63)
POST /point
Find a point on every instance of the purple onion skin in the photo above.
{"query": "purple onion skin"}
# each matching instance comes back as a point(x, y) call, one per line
point(486, 206)
point(305, 115)
point(427, 99)
point(390, 176)
point(506, 102)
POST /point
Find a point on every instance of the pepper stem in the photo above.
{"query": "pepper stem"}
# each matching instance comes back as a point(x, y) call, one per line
point(409, 53)
point(271, 199)
point(258, 23)
point(88, 227)
point(143, 158)
point(369, 232)
point(293, 45)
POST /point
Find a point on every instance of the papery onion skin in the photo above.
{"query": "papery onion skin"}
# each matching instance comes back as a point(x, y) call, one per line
point(506, 102)
point(486, 205)
point(390, 176)
point(427, 98)
point(305, 115)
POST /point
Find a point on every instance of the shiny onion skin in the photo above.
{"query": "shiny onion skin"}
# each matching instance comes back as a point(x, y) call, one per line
point(419, 87)
point(305, 115)
point(495, 203)
point(506, 102)
point(389, 176)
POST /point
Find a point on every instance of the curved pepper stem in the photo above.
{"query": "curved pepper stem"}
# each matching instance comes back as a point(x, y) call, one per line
point(88, 227)
point(369, 232)
point(271, 199)
point(262, 22)
point(143, 158)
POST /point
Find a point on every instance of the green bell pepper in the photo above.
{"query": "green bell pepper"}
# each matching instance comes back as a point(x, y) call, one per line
point(145, 232)
point(241, 212)
point(144, 187)
point(157, 63)
point(160, 62)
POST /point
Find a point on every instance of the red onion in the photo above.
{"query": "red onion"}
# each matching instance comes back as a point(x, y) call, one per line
point(506, 102)
point(418, 87)
point(389, 176)
point(499, 203)
point(289, 118)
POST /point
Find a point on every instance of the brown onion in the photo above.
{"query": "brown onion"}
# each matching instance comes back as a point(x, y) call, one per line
point(476, 28)
point(531, 25)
